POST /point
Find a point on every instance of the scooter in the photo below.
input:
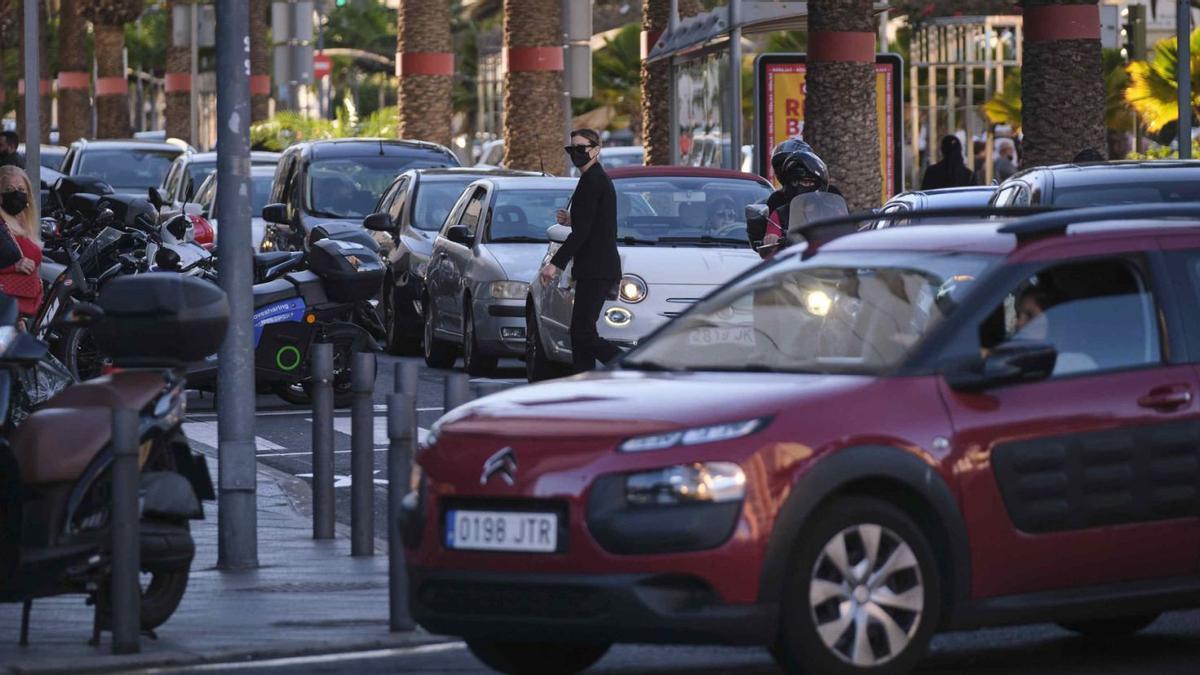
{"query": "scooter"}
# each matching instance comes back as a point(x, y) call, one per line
point(55, 468)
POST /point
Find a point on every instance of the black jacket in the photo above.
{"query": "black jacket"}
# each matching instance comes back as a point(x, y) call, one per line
point(593, 240)
point(947, 174)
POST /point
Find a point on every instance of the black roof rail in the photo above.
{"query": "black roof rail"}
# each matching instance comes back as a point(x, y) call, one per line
point(1057, 222)
point(826, 230)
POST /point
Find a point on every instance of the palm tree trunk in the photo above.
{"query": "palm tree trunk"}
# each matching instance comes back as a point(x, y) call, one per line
point(426, 67)
point(112, 97)
point(1062, 81)
point(260, 74)
point(10, 19)
point(43, 84)
point(74, 80)
point(533, 86)
point(839, 106)
point(656, 86)
point(178, 80)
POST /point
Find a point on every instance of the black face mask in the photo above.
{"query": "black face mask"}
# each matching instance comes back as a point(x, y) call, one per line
point(14, 202)
point(579, 155)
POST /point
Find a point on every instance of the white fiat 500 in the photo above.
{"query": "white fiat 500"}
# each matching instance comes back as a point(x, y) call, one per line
point(681, 232)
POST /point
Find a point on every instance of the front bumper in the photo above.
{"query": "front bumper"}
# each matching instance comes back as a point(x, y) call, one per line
point(500, 327)
point(642, 608)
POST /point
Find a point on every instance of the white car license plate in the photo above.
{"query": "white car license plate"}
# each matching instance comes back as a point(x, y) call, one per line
point(707, 335)
point(502, 531)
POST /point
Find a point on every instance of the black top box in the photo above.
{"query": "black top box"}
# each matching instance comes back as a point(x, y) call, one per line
point(160, 319)
point(352, 272)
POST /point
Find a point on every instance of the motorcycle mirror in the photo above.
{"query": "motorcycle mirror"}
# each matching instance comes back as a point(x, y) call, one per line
point(157, 196)
point(105, 217)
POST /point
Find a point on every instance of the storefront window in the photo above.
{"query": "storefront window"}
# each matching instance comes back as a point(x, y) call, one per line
point(702, 83)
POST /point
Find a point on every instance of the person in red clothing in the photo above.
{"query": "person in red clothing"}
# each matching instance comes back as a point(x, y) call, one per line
point(20, 280)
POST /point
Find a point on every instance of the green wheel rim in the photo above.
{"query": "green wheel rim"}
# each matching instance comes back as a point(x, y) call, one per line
point(284, 352)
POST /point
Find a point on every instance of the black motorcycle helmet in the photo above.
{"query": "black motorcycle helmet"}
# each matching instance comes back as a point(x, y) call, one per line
point(785, 150)
point(803, 171)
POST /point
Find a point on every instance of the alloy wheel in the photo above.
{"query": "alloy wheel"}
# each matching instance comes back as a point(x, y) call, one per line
point(866, 595)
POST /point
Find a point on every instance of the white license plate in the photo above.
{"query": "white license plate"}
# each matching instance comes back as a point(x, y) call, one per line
point(502, 531)
point(707, 335)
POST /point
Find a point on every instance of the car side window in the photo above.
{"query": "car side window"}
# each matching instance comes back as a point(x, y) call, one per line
point(399, 200)
point(1021, 196)
point(473, 211)
point(170, 183)
point(1004, 196)
point(452, 218)
point(283, 179)
point(1098, 314)
point(887, 222)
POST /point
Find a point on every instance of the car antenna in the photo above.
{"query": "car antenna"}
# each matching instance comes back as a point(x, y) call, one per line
point(380, 147)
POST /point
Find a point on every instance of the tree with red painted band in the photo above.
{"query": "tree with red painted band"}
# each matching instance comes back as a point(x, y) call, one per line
point(112, 102)
point(74, 102)
point(179, 68)
point(425, 93)
point(533, 101)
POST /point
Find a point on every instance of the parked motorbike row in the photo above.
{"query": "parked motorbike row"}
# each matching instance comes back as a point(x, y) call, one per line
point(134, 315)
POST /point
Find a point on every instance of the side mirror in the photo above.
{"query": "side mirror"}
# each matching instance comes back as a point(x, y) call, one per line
point(757, 212)
point(1008, 363)
point(158, 197)
point(378, 222)
point(275, 213)
point(459, 234)
point(558, 233)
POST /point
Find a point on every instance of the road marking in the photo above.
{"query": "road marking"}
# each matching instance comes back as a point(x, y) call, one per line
point(340, 481)
point(316, 659)
point(206, 434)
point(198, 416)
point(309, 453)
point(379, 436)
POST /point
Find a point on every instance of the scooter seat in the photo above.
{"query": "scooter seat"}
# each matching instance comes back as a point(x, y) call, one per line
point(274, 291)
point(127, 389)
point(263, 262)
point(55, 445)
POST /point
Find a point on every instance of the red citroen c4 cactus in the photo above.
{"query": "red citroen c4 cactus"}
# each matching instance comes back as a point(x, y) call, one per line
point(842, 452)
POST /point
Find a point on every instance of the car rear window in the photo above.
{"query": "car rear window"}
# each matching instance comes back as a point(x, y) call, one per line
point(1149, 192)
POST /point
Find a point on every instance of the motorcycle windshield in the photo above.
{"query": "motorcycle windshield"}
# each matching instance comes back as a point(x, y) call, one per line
point(812, 207)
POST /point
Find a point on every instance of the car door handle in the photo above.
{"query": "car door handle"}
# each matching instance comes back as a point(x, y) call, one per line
point(1167, 398)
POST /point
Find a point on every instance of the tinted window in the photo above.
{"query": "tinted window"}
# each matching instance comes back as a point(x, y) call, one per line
point(690, 210)
point(524, 215)
point(127, 169)
point(434, 201)
point(1150, 192)
point(350, 187)
point(473, 211)
point(399, 198)
point(1098, 315)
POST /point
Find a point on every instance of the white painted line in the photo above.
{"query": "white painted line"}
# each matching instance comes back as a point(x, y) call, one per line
point(206, 434)
point(379, 436)
point(340, 481)
point(308, 453)
point(315, 659)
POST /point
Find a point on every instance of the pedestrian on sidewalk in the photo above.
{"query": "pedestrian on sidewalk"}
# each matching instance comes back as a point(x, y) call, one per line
point(592, 244)
point(951, 171)
point(20, 280)
point(9, 142)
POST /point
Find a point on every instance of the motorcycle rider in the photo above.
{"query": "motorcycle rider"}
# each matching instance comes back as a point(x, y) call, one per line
point(800, 171)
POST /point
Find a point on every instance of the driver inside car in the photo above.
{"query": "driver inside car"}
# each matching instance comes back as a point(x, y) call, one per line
point(722, 218)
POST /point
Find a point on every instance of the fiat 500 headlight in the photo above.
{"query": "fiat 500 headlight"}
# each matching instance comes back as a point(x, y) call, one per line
point(694, 436)
point(633, 288)
point(509, 290)
point(712, 482)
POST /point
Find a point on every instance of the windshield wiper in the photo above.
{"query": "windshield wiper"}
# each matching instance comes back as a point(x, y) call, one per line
point(703, 240)
point(648, 366)
point(518, 240)
point(634, 241)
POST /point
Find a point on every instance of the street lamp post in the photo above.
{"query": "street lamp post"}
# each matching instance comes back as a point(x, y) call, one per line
point(33, 99)
point(1183, 75)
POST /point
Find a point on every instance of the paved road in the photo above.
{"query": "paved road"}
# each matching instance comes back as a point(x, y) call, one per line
point(1170, 646)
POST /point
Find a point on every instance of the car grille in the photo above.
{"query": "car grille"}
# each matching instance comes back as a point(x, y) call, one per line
point(506, 599)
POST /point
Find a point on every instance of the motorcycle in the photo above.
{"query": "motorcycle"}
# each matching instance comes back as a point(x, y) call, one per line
point(55, 467)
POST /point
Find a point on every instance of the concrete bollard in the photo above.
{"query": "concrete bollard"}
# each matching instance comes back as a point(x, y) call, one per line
point(362, 456)
point(126, 538)
point(457, 391)
point(402, 440)
point(322, 433)
point(408, 375)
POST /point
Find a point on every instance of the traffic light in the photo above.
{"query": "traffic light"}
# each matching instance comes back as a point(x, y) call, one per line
point(1133, 32)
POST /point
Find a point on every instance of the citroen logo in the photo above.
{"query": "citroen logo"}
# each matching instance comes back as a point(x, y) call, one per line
point(503, 463)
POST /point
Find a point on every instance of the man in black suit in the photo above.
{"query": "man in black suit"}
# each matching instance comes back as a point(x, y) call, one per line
point(593, 246)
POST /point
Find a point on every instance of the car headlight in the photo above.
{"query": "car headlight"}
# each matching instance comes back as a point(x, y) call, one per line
point(818, 302)
point(633, 288)
point(509, 290)
point(694, 436)
point(711, 482)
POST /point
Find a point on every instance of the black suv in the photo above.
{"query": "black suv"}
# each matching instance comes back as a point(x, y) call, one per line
point(332, 185)
point(1102, 184)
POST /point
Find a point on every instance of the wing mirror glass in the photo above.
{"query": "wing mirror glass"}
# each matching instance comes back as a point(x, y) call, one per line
point(275, 213)
point(378, 222)
point(460, 234)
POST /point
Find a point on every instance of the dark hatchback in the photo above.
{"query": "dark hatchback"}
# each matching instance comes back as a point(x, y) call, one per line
point(1102, 184)
point(334, 184)
point(406, 222)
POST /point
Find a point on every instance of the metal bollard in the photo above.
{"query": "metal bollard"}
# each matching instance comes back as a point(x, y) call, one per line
point(401, 445)
point(408, 375)
point(126, 543)
point(362, 456)
point(324, 507)
point(457, 391)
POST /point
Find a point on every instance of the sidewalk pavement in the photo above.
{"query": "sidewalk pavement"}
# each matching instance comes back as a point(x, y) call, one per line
point(307, 597)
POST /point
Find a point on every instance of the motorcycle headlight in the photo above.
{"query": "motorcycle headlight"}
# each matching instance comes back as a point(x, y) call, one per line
point(632, 289)
point(712, 482)
point(694, 436)
point(509, 290)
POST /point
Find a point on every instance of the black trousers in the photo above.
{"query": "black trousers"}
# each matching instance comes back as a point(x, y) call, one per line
point(586, 343)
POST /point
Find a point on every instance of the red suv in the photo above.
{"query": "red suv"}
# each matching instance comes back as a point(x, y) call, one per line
point(842, 452)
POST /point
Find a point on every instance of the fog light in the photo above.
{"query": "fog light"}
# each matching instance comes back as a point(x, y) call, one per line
point(618, 317)
point(514, 333)
point(713, 482)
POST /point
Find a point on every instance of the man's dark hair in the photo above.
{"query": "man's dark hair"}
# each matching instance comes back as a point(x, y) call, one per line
point(590, 134)
point(1088, 155)
point(11, 138)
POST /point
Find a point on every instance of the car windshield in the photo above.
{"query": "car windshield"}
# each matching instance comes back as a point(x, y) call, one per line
point(684, 211)
point(524, 215)
point(1129, 191)
point(126, 169)
point(435, 199)
point(349, 187)
point(197, 172)
point(835, 313)
point(260, 195)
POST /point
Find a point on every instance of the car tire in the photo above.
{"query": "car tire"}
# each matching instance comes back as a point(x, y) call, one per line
point(871, 613)
point(475, 362)
point(538, 366)
point(395, 342)
point(1111, 627)
point(438, 352)
point(536, 658)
